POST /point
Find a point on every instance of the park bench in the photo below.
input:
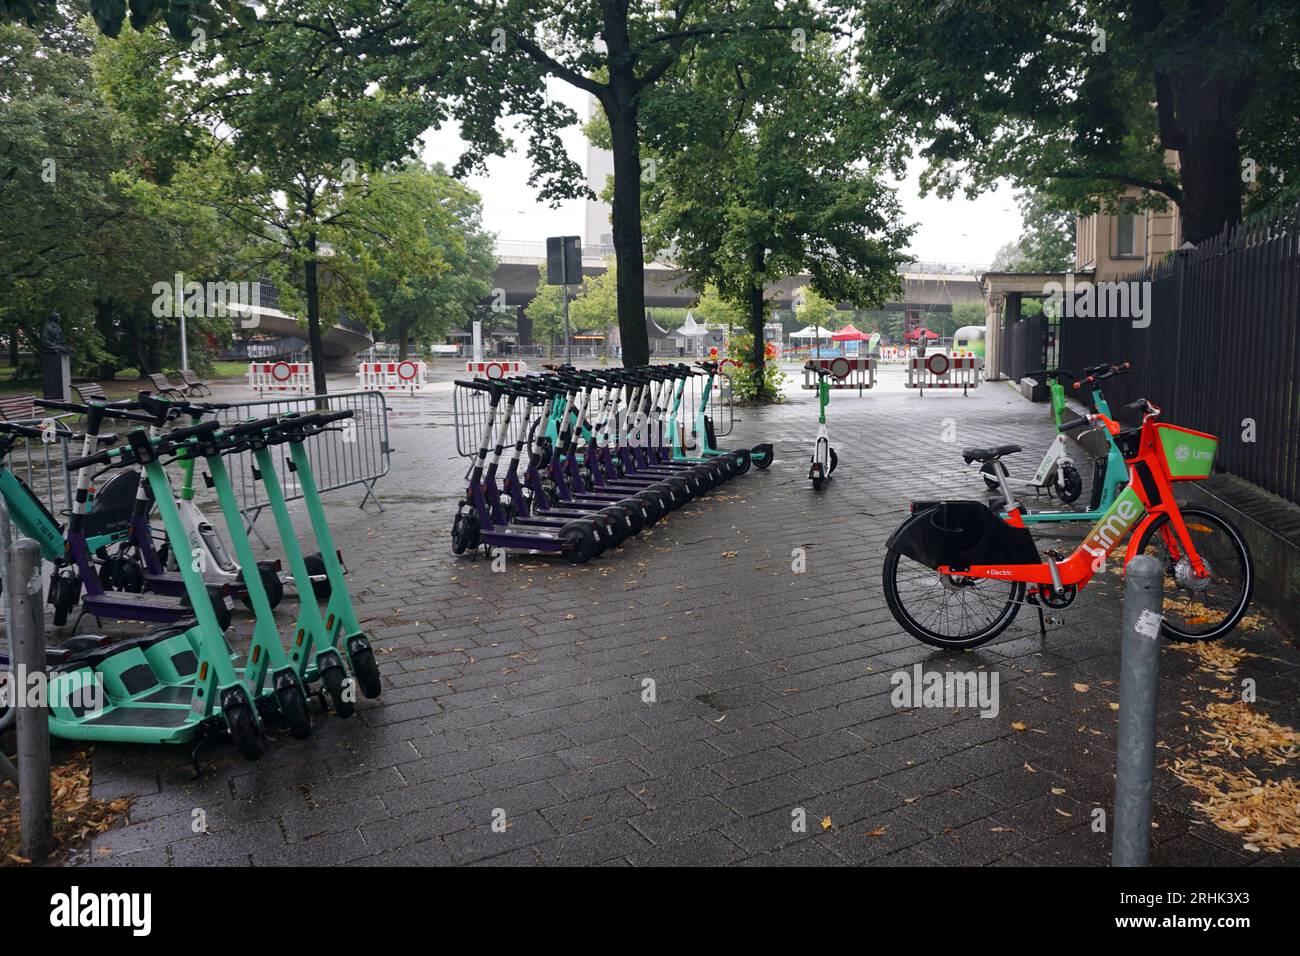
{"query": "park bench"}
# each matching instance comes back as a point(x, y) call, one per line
point(18, 408)
point(196, 385)
point(89, 392)
point(164, 387)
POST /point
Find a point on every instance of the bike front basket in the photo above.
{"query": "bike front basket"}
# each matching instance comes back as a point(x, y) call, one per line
point(1188, 455)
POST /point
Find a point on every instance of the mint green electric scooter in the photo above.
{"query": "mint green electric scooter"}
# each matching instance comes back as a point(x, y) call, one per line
point(172, 685)
point(319, 643)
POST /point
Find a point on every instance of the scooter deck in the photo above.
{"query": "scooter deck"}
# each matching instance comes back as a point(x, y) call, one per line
point(144, 607)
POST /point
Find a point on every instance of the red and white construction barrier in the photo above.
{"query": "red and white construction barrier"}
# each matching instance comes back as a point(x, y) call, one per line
point(280, 377)
point(497, 369)
point(406, 375)
point(941, 370)
point(856, 373)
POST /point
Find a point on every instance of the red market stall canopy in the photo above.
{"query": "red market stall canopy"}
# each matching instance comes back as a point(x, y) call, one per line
point(848, 334)
point(918, 332)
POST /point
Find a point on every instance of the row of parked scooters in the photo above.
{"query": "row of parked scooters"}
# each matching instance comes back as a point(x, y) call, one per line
point(179, 682)
point(597, 456)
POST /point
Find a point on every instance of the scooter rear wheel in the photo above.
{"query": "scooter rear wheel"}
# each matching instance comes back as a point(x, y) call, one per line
point(320, 584)
point(636, 514)
point(219, 608)
point(672, 498)
point(583, 535)
point(991, 477)
point(654, 507)
point(742, 461)
point(620, 524)
point(271, 584)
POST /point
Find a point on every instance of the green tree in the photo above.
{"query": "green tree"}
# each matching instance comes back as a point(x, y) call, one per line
point(546, 310)
point(309, 140)
point(813, 309)
point(715, 311)
point(493, 58)
point(74, 236)
point(1082, 99)
point(768, 161)
point(419, 306)
point(188, 20)
point(594, 308)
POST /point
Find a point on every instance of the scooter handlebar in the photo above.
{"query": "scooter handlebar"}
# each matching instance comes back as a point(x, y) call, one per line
point(249, 428)
point(177, 435)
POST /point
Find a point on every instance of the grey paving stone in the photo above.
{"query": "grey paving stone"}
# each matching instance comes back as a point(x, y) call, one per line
point(522, 691)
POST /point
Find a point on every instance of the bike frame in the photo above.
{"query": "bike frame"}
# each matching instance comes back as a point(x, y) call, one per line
point(1148, 497)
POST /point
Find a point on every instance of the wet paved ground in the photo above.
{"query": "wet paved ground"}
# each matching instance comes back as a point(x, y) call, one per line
point(518, 698)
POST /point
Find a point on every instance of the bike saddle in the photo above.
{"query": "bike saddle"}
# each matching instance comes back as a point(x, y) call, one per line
point(988, 454)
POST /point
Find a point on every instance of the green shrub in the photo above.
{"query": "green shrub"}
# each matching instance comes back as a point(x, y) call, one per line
point(747, 383)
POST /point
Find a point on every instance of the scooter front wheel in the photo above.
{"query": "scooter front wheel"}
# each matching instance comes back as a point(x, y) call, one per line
point(364, 667)
point(293, 708)
point(335, 682)
point(1069, 485)
point(945, 610)
point(245, 731)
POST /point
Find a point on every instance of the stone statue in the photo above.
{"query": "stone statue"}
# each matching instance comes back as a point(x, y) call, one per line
point(52, 336)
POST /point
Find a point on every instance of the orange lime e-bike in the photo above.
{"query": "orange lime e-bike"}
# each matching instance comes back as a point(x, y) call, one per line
point(956, 573)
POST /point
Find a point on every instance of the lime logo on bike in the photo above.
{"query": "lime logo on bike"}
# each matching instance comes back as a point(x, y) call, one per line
point(1114, 524)
point(1188, 454)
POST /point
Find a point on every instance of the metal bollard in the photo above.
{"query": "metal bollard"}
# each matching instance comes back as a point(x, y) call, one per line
point(1139, 673)
point(28, 625)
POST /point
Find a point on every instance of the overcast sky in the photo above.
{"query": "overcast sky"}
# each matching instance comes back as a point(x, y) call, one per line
point(955, 231)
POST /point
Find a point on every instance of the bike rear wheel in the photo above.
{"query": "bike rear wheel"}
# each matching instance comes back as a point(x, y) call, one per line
point(945, 611)
point(1199, 609)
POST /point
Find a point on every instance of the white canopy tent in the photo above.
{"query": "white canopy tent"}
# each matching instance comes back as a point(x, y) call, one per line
point(810, 332)
point(690, 328)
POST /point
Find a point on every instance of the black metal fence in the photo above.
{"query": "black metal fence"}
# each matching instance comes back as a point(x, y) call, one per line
point(1024, 346)
point(1221, 353)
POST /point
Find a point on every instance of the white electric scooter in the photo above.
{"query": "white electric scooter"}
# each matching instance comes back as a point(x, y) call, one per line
point(824, 458)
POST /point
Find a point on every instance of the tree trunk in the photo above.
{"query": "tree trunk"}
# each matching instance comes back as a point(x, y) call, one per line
point(625, 219)
point(104, 316)
point(1209, 157)
point(314, 341)
point(403, 339)
point(758, 354)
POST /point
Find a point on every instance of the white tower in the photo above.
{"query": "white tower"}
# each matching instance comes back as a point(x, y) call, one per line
point(600, 166)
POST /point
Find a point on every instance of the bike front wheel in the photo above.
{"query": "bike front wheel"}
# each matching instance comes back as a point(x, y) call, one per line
point(947, 611)
point(1201, 609)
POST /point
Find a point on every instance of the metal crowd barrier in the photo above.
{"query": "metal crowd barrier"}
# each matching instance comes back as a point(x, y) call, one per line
point(470, 409)
point(358, 453)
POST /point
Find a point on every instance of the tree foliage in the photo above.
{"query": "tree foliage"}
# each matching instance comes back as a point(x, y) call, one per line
point(768, 163)
point(1081, 100)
